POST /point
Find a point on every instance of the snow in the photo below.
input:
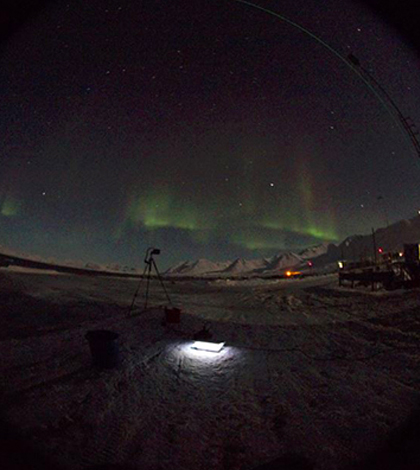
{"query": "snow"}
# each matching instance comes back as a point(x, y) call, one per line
point(314, 251)
point(276, 265)
point(239, 267)
point(390, 239)
point(196, 268)
point(243, 266)
point(284, 261)
point(309, 368)
point(323, 256)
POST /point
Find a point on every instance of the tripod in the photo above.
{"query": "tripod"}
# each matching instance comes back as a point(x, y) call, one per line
point(147, 273)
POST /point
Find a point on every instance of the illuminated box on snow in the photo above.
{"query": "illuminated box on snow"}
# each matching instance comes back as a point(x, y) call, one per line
point(206, 346)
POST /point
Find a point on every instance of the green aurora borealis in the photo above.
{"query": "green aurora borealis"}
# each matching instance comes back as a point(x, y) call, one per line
point(208, 129)
point(252, 215)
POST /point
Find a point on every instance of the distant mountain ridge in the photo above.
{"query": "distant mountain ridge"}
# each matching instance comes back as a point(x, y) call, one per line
point(241, 265)
point(314, 251)
point(195, 268)
point(321, 257)
point(246, 267)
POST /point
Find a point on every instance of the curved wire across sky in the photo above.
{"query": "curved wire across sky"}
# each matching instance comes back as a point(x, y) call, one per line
point(370, 82)
point(209, 129)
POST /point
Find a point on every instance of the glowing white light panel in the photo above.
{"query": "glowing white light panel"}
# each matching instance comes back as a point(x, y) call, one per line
point(205, 346)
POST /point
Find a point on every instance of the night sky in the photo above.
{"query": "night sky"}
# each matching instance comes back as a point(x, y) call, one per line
point(210, 129)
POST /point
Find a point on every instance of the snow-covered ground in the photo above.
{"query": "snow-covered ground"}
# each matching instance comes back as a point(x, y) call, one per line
point(308, 368)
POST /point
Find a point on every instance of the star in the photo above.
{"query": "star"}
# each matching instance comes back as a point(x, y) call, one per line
point(183, 108)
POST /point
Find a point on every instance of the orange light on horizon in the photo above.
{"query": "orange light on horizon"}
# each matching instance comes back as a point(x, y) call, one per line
point(292, 273)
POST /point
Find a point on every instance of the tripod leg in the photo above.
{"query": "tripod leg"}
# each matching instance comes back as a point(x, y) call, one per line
point(161, 282)
point(137, 291)
point(149, 273)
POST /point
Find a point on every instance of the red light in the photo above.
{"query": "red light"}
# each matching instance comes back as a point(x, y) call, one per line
point(310, 263)
point(380, 250)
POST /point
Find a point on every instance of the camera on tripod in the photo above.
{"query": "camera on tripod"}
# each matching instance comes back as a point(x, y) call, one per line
point(150, 264)
point(149, 255)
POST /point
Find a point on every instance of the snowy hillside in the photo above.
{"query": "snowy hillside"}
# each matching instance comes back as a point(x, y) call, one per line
point(196, 268)
point(240, 267)
point(178, 268)
point(314, 251)
point(390, 238)
point(322, 256)
point(284, 261)
point(243, 266)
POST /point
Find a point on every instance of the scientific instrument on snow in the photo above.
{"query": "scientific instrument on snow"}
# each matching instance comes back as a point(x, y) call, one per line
point(150, 263)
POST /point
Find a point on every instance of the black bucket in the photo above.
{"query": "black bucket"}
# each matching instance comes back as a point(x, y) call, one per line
point(104, 348)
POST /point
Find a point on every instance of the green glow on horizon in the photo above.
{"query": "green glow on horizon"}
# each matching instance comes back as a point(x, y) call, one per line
point(253, 238)
point(10, 207)
point(207, 222)
point(322, 234)
point(162, 210)
point(261, 245)
point(328, 234)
